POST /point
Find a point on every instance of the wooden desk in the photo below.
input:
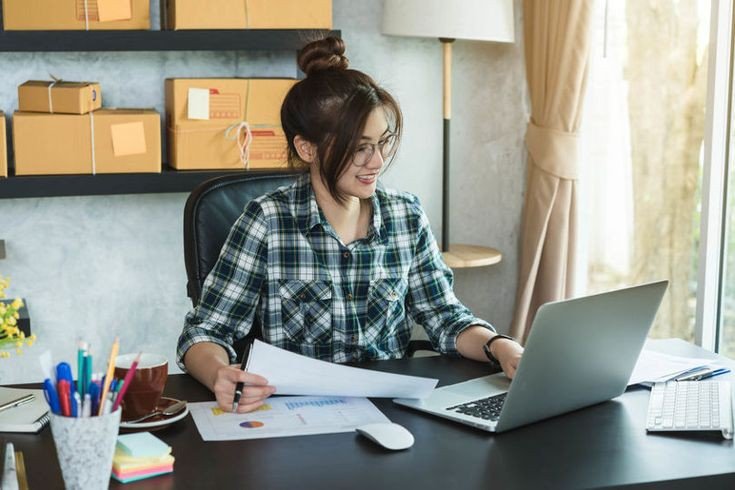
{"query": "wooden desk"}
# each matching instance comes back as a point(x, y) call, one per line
point(603, 445)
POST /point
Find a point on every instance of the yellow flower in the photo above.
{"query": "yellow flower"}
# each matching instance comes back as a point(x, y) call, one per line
point(4, 354)
point(17, 303)
point(19, 352)
point(19, 344)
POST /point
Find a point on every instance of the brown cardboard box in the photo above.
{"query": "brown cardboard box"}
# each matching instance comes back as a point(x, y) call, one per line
point(247, 14)
point(3, 148)
point(50, 15)
point(125, 141)
point(59, 97)
point(211, 142)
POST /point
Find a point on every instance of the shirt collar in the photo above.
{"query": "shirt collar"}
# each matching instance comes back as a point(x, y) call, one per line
point(306, 210)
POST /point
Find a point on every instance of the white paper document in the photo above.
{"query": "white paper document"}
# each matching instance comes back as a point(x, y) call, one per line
point(285, 416)
point(655, 366)
point(294, 374)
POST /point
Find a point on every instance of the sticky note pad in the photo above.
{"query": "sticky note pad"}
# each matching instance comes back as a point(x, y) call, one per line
point(142, 445)
point(109, 10)
point(128, 139)
point(198, 103)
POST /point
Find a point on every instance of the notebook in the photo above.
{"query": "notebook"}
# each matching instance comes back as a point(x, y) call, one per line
point(580, 352)
point(30, 417)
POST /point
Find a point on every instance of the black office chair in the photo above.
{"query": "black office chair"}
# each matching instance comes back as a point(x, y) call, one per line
point(211, 210)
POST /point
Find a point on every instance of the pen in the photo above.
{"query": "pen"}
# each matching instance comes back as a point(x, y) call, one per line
point(240, 385)
point(63, 389)
point(51, 396)
point(81, 352)
point(18, 402)
point(711, 374)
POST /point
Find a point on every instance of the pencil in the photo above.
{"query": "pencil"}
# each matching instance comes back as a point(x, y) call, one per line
point(110, 373)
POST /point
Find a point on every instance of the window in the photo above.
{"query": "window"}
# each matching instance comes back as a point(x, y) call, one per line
point(642, 142)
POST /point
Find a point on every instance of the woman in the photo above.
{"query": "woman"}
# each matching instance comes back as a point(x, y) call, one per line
point(335, 263)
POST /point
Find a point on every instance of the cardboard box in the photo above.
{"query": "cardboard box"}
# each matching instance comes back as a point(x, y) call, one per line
point(125, 141)
point(204, 117)
point(51, 15)
point(59, 97)
point(247, 14)
point(3, 147)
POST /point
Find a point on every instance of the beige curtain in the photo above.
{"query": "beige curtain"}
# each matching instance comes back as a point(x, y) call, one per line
point(557, 43)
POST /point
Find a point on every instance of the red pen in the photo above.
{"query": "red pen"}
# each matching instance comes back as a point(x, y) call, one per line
point(125, 383)
point(64, 390)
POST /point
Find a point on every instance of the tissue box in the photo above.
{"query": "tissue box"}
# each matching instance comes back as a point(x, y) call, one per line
point(253, 14)
point(50, 15)
point(125, 141)
point(59, 97)
point(203, 117)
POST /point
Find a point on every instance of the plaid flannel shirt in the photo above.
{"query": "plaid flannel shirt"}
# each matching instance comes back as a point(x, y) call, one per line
point(316, 296)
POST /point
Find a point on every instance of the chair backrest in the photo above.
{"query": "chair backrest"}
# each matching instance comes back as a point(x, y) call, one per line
point(211, 210)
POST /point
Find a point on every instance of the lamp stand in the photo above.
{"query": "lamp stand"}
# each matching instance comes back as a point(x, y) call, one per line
point(455, 256)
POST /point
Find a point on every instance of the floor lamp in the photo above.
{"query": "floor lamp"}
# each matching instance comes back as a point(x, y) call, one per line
point(447, 20)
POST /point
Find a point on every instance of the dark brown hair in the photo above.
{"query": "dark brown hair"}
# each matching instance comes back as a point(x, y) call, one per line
point(329, 108)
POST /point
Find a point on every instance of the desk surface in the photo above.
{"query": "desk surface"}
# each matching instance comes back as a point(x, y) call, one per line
point(603, 445)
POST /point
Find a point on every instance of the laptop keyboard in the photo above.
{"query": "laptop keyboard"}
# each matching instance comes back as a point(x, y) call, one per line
point(684, 405)
point(485, 408)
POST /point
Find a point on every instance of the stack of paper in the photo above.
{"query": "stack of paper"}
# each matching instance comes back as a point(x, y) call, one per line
point(141, 455)
point(655, 367)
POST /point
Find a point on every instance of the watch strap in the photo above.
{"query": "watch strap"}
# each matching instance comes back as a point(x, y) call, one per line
point(486, 348)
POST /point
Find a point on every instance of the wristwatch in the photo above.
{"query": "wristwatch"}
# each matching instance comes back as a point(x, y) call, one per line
point(486, 349)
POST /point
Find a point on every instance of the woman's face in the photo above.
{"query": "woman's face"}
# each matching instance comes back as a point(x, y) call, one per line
point(360, 178)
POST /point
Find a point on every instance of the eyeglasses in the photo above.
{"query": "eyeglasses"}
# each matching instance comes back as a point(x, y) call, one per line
point(365, 151)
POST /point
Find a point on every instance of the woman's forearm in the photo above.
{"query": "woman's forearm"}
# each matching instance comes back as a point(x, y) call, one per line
point(202, 361)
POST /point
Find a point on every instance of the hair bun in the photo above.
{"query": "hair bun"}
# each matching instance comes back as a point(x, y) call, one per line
point(325, 54)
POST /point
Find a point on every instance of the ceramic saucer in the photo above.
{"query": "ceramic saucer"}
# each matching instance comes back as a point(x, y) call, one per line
point(158, 421)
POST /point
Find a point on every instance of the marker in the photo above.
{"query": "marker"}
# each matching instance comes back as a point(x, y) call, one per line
point(51, 396)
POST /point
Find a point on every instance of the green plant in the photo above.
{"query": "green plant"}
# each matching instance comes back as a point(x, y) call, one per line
point(11, 337)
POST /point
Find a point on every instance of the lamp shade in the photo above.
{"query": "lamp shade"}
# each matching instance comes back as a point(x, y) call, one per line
point(481, 20)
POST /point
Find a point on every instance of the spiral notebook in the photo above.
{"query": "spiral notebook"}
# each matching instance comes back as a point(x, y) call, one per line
point(29, 417)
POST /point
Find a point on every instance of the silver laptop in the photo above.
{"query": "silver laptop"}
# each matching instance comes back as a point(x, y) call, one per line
point(580, 352)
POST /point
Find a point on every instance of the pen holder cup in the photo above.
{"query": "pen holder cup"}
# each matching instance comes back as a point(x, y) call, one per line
point(84, 447)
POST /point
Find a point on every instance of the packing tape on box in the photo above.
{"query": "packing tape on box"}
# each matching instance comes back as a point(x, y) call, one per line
point(91, 132)
point(232, 133)
point(86, 15)
point(50, 100)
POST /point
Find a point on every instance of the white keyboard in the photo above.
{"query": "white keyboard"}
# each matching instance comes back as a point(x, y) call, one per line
point(691, 406)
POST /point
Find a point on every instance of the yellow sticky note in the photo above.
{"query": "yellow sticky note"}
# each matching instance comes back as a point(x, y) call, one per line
point(109, 10)
point(128, 139)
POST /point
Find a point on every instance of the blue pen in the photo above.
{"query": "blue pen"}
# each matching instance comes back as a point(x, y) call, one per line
point(711, 374)
point(75, 400)
point(94, 392)
point(49, 392)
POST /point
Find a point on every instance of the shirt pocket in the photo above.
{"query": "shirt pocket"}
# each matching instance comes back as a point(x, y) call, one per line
point(385, 309)
point(306, 310)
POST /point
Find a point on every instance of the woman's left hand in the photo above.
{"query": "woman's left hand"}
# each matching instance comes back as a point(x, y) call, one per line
point(508, 353)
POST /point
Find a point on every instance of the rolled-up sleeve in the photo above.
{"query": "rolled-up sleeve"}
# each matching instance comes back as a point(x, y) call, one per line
point(232, 289)
point(431, 300)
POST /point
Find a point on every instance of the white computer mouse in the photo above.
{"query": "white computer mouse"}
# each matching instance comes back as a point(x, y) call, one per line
point(387, 434)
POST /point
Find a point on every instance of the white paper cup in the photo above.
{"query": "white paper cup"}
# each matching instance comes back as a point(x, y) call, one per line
point(84, 447)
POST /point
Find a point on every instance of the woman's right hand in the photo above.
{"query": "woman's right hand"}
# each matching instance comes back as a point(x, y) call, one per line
point(255, 392)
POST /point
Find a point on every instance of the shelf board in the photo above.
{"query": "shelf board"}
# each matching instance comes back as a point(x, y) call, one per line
point(202, 40)
point(461, 256)
point(105, 184)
